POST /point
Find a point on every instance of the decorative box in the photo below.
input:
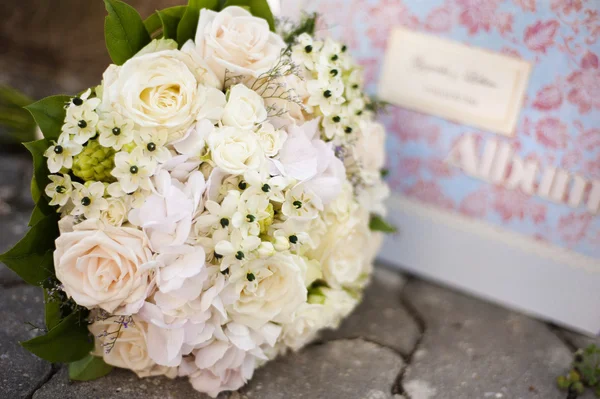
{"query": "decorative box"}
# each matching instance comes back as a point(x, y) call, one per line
point(494, 142)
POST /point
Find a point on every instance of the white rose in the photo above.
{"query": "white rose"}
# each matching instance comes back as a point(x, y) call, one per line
point(244, 109)
point(235, 41)
point(101, 266)
point(155, 89)
point(116, 213)
point(130, 350)
point(271, 139)
point(308, 320)
point(235, 151)
point(369, 150)
point(266, 290)
point(344, 251)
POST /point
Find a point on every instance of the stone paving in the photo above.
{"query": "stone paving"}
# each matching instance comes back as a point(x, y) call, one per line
point(409, 339)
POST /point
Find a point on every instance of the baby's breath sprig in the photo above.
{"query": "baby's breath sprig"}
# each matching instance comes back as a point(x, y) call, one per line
point(111, 337)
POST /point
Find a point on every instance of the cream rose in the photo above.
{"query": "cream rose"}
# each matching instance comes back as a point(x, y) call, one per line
point(244, 108)
point(130, 349)
point(235, 150)
point(116, 213)
point(235, 41)
point(267, 290)
point(345, 251)
point(271, 140)
point(101, 266)
point(156, 89)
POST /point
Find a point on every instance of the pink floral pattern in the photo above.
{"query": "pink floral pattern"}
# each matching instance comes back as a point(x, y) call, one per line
point(540, 35)
point(585, 91)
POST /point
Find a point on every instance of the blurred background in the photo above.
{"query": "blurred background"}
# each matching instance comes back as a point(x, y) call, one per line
point(50, 47)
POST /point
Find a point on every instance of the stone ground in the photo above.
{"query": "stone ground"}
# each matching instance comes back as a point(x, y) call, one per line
point(409, 339)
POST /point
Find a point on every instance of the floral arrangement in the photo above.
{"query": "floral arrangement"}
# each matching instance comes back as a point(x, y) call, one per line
point(214, 202)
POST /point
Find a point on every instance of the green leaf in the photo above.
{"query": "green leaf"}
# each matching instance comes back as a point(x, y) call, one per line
point(169, 24)
point(186, 29)
point(69, 341)
point(31, 258)
point(378, 224)
point(52, 311)
point(37, 215)
point(89, 368)
point(40, 166)
point(258, 8)
point(154, 24)
point(124, 31)
point(49, 113)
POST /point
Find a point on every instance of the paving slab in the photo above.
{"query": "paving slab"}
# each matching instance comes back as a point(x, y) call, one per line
point(578, 340)
point(21, 373)
point(473, 349)
point(381, 317)
point(344, 369)
point(118, 384)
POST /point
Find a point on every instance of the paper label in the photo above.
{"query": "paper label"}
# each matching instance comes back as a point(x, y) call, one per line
point(464, 84)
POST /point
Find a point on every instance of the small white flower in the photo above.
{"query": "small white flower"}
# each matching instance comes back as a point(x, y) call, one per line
point(305, 51)
point(301, 204)
point(89, 201)
point(115, 131)
point(334, 125)
point(153, 142)
point(61, 154)
point(133, 200)
point(252, 208)
point(81, 124)
point(238, 249)
point(218, 215)
point(327, 96)
point(330, 53)
point(133, 170)
point(59, 189)
point(83, 102)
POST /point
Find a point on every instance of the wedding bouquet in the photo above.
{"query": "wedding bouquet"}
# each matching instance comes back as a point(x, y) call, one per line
point(214, 202)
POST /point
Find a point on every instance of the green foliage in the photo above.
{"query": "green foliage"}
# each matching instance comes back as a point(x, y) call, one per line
point(18, 123)
point(67, 342)
point(377, 223)
point(49, 113)
point(155, 25)
point(377, 106)
point(585, 373)
point(307, 24)
point(89, 368)
point(258, 8)
point(186, 29)
point(124, 31)
point(31, 258)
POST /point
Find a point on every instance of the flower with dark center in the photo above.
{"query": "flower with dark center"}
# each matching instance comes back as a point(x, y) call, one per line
point(58, 149)
point(224, 222)
point(82, 124)
point(60, 189)
point(293, 239)
point(250, 218)
point(133, 169)
point(335, 57)
point(242, 185)
point(250, 277)
point(344, 48)
point(348, 130)
point(336, 119)
point(225, 272)
point(77, 101)
point(266, 188)
point(327, 93)
point(151, 147)
point(218, 256)
point(239, 255)
point(116, 131)
point(334, 72)
point(308, 49)
point(86, 201)
point(297, 204)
